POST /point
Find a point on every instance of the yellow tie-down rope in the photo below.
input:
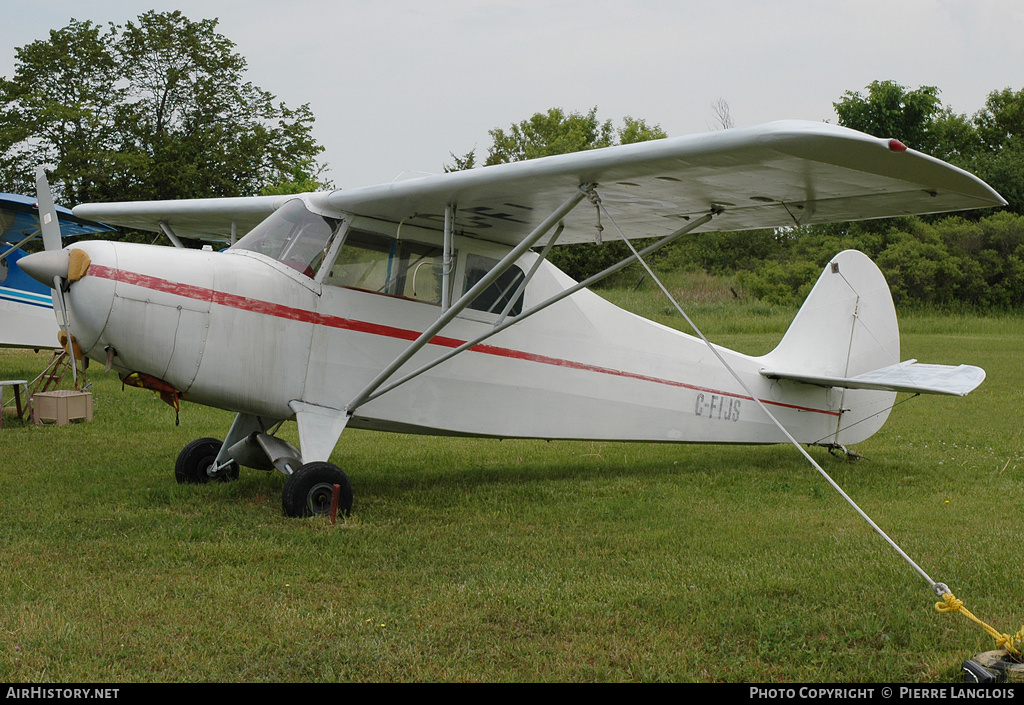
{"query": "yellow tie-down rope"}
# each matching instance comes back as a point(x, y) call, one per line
point(951, 604)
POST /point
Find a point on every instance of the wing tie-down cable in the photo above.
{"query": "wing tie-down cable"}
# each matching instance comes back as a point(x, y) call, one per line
point(950, 603)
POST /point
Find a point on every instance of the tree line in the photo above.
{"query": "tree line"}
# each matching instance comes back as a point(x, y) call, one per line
point(158, 108)
point(973, 260)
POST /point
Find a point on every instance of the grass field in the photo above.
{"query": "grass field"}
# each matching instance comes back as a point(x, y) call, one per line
point(479, 560)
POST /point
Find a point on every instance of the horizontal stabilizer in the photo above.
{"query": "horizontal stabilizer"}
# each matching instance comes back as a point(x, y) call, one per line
point(907, 376)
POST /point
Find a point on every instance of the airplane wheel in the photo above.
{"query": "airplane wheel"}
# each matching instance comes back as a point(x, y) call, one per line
point(308, 490)
point(196, 459)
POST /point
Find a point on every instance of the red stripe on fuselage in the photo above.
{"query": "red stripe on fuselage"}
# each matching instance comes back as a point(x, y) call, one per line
point(246, 303)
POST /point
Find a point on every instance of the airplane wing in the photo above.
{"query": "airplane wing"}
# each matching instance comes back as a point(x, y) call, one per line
point(19, 219)
point(907, 376)
point(198, 218)
point(774, 175)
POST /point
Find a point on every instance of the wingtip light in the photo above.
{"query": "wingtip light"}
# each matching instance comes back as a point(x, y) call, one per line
point(897, 146)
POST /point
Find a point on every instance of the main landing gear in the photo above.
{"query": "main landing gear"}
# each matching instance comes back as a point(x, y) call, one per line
point(197, 464)
point(308, 491)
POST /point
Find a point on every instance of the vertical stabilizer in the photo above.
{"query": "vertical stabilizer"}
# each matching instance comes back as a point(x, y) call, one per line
point(846, 327)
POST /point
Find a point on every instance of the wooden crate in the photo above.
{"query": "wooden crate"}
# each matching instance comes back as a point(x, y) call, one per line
point(61, 406)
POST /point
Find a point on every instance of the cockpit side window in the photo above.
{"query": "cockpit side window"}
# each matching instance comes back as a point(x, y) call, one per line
point(292, 235)
point(384, 265)
point(494, 298)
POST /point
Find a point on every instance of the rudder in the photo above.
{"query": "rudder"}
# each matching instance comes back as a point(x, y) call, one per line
point(846, 327)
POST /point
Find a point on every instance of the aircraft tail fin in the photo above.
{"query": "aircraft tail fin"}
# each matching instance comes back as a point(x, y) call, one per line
point(847, 325)
point(846, 336)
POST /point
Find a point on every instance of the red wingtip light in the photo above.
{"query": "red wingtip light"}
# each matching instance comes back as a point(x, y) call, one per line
point(897, 146)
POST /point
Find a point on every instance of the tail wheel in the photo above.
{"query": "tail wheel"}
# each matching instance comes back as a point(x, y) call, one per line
point(308, 490)
point(196, 462)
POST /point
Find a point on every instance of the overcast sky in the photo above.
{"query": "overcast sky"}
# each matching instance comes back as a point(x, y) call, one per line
point(396, 85)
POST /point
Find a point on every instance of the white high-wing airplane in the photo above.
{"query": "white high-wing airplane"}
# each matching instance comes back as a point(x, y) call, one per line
point(427, 306)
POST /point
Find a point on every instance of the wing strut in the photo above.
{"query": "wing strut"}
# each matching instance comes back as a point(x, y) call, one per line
point(689, 227)
point(467, 298)
point(170, 234)
point(448, 265)
point(28, 239)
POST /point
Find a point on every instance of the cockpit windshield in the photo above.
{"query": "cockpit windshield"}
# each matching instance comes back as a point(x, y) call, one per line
point(292, 235)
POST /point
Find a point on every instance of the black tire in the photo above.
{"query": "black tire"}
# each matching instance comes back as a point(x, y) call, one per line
point(196, 459)
point(308, 490)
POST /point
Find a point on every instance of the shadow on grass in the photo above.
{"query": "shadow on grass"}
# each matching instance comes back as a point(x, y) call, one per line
point(395, 469)
point(531, 468)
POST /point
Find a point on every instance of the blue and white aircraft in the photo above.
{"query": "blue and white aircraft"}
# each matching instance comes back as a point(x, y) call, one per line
point(27, 319)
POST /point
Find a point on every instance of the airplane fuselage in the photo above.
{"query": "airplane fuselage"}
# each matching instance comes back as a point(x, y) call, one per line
point(26, 309)
point(247, 333)
point(335, 306)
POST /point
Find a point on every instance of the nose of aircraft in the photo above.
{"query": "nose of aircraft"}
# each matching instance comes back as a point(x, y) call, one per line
point(45, 266)
point(70, 265)
point(83, 308)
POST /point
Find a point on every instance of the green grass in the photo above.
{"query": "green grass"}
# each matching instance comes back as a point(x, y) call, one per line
point(479, 560)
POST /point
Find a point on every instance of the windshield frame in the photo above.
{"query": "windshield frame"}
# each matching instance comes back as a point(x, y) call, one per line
point(295, 236)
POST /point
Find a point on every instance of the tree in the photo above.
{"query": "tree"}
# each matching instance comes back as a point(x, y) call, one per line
point(466, 161)
point(990, 144)
point(549, 133)
point(723, 117)
point(998, 153)
point(637, 130)
point(1001, 121)
point(555, 132)
point(154, 109)
point(892, 110)
point(60, 107)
